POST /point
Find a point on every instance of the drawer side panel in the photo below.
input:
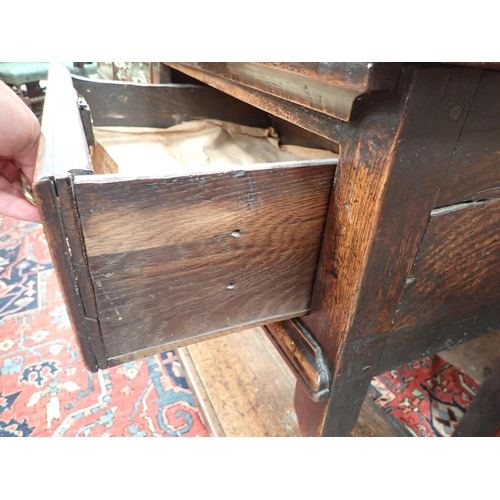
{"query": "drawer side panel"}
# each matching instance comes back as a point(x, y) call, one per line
point(134, 105)
point(179, 258)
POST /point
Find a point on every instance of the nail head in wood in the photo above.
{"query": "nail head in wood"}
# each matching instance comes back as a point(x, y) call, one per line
point(455, 112)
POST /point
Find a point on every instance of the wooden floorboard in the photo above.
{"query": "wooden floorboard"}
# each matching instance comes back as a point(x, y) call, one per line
point(373, 422)
point(476, 357)
point(244, 388)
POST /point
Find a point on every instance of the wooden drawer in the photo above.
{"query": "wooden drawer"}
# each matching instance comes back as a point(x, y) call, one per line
point(150, 262)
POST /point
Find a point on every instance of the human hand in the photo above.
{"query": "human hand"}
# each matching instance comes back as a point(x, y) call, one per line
point(19, 136)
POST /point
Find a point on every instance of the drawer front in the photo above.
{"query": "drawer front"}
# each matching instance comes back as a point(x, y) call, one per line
point(148, 263)
point(454, 278)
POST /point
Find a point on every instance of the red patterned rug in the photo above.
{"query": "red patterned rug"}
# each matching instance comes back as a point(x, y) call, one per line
point(428, 396)
point(45, 390)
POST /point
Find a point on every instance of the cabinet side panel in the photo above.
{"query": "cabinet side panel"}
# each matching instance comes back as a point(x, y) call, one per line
point(474, 171)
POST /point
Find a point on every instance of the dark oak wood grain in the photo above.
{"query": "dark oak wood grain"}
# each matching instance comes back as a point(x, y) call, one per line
point(379, 213)
point(390, 170)
point(75, 242)
point(337, 89)
point(314, 121)
point(85, 328)
point(138, 105)
point(82, 282)
point(404, 346)
point(418, 167)
point(303, 355)
point(450, 279)
point(369, 238)
point(474, 171)
point(204, 253)
point(361, 76)
point(63, 151)
point(391, 279)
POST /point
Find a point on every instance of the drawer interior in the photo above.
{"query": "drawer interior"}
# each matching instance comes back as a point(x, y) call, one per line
point(174, 129)
point(191, 147)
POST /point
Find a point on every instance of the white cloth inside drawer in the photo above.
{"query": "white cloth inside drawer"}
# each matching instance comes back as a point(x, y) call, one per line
point(191, 146)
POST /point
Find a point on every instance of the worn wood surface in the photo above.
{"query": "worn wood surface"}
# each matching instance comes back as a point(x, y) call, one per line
point(361, 76)
point(337, 89)
point(378, 213)
point(159, 73)
point(80, 270)
point(137, 105)
point(367, 237)
point(303, 354)
point(418, 167)
point(482, 418)
point(373, 422)
point(393, 159)
point(474, 172)
point(314, 121)
point(293, 134)
point(175, 258)
point(207, 411)
point(404, 346)
point(64, 150)
point(64, 145)
point(84, 328)
point(74, 236)
point(246, 389)
point(476, 357)
point(378, 216)
point(149, 351)
point(456, 271)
